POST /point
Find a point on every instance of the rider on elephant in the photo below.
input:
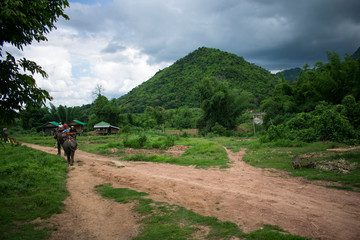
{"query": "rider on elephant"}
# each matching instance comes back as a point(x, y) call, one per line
point(61, 127)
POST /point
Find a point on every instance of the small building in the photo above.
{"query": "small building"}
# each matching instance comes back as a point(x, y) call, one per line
point(104, 128)
point(48, 128)
point(78, 125)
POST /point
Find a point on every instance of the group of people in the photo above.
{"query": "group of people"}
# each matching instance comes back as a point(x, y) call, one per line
point(65, 128)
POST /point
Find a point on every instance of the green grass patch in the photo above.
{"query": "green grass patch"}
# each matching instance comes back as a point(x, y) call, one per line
point(270, 232)
point(202, 155)
point(164, 221)
point(32, 185)
point(270, 156)
point(47, 141)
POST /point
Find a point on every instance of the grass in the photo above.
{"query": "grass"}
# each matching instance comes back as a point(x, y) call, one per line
point(202, 155)
point(47, 141)
point(280, 157)
point(32, 185)
point(209, 152)
point(164, 221)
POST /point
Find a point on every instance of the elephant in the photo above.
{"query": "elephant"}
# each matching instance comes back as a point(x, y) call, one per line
point(70, 146)
point(59, 140)
point(68, 143)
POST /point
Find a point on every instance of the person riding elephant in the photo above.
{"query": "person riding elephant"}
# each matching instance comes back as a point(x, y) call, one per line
point(61, 127)
point(73, 132)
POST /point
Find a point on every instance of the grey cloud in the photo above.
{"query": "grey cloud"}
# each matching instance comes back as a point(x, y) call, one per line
point(273, 34)
point(113, 47)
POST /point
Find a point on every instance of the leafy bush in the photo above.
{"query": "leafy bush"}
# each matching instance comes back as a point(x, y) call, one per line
point(218, 129)
point(164, 142)
point(326, 122)
point(138, 142)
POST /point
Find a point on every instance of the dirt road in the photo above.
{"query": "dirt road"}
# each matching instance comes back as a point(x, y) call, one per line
point(248, 196)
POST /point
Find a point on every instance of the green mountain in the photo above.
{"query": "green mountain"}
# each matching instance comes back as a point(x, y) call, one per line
point(290, 75)
point(356, 54)
point(175, 86)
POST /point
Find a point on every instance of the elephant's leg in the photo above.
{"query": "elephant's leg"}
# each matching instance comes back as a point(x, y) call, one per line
point(59, 148)
point(69, 159)
point(72, 158)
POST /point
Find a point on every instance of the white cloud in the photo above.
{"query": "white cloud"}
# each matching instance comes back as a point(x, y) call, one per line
point(76, 64)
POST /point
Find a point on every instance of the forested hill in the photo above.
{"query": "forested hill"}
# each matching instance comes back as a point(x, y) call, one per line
point(356, 54)
point(290, 75)
point(175, 86)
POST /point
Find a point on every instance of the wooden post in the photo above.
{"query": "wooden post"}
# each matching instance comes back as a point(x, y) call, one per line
point(254, 124)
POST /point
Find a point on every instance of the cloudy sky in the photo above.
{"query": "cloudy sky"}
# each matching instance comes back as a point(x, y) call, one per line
point(119, 44)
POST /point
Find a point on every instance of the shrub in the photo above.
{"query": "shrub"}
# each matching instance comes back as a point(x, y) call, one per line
point(138, 142)
point(219, 129)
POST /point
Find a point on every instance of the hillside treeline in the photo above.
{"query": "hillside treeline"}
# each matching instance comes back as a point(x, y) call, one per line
point(322, 104)
point(176, 85)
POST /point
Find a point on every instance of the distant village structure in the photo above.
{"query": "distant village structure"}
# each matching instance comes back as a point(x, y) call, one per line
point(78, 125)
point(104, 128)
point(49, 127)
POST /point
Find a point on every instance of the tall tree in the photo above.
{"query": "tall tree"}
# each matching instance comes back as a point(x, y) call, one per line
point(105, 110)
point(220, 104)
point(21, 23)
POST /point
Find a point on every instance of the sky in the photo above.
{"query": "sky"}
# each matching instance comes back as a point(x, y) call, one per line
point(119, 44)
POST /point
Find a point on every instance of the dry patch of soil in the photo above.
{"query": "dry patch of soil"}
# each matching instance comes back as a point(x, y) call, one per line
point(248, 196)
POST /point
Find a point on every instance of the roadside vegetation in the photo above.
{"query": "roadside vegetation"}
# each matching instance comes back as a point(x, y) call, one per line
point(160, 220)
point(32, 185)
point(342, 167)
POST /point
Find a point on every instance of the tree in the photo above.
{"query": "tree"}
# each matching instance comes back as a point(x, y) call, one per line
point(105, 110)
point(22, 22)
point(219, 104)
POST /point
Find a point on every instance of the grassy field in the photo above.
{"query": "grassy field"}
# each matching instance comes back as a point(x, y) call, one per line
point(32, 185)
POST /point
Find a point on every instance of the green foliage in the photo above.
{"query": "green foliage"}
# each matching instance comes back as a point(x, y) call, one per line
point(321, 105)
point(218, 129)
point(32, 185)
point(105, 110)
point(278, 154)
point(122, 195)
point(326, 122)
point(219, 104)
point(185, 118)
point(21, 23)
point(138, 142)
point(271, 232)
point(290, 75)
point(173, 87)
point(203, 154)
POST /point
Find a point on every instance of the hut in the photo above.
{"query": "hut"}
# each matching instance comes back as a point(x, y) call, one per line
point(48, 128)
point(78, 125)
point(104, 128)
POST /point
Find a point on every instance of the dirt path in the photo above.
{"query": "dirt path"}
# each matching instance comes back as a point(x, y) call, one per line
point(248, 196)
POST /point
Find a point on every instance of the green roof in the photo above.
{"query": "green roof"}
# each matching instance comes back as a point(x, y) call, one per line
point(104, 125)
point(51, 124)
point(79, 122)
